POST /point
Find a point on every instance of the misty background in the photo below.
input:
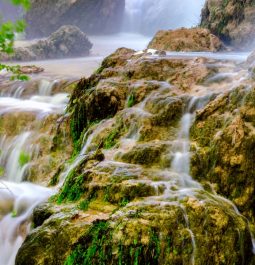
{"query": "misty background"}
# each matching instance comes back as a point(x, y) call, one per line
point(139, 16)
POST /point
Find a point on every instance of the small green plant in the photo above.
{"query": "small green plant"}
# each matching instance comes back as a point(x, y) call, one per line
point(14, 214)
point(131, 100)
point(7, 36)
point(111, 139)
point(84, 205)
point(124, 202)
point(2, 170)
point(24, 158)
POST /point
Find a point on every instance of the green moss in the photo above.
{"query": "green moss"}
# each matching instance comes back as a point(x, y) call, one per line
point(73, 188)
point(2, 171)
point(203, 132)
point(111, 139)
point(94, 250)
point(124, 202)
point(84, 205)
point(96, 247)
point(99, 70)
point(55, 179)
point(78, 124)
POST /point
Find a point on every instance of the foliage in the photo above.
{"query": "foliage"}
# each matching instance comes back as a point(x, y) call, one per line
point(7, 36)
point(15, 70)
point(24, 158)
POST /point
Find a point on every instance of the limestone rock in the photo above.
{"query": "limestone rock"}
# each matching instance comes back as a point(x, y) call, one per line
point(123, 203)
point(67, 41)
point(232, 21)
point(223, 136)
point(188, 40)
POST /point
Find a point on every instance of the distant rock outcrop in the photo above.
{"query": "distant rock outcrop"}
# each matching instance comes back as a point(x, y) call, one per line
point(231, 20)
point(94, 17)
point(67, 41)
point(194, 40)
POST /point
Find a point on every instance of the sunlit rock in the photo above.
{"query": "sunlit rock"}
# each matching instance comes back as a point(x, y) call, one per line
point(232, 21)
point(186, 40)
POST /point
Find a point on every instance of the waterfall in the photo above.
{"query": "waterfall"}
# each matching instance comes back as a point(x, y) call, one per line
point(18, 198)
point(149, 16)
point(17, 202)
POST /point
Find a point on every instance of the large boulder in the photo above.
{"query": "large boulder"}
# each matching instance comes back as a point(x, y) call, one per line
point(94, 17)
point(194, 40)
point(232, 21)
point(67, 41)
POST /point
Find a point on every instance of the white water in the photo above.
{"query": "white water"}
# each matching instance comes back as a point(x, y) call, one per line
point(10, 155)
point(149, 16)
point(17, 198)
point(17, 202)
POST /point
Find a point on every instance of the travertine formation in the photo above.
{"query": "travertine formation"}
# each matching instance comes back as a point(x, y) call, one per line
point(231, 20)
point(188, 40)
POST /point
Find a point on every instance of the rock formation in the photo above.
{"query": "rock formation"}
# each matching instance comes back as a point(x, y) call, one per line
point(231, 20)
point(67, 41)
point(92, 17)
point(123, 202)
point(188, 40)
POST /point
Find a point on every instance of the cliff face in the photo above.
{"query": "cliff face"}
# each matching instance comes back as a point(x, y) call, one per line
point(94, 17)
point(231, 20)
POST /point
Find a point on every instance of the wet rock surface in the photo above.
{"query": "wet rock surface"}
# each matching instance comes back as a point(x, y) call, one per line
point(127, 196)
point(188, 40)
point(224, 138)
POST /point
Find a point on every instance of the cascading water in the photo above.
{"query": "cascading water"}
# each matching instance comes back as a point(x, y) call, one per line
point(17, 202)
point(17, 198)
point(149, 16)
point(10, 156)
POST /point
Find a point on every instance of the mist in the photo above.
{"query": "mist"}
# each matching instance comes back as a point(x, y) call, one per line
point(139, 16)
point(9, 11)
point(149, 16)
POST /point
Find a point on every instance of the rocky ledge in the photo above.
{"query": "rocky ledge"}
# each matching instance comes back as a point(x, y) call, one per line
point(188, 40)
